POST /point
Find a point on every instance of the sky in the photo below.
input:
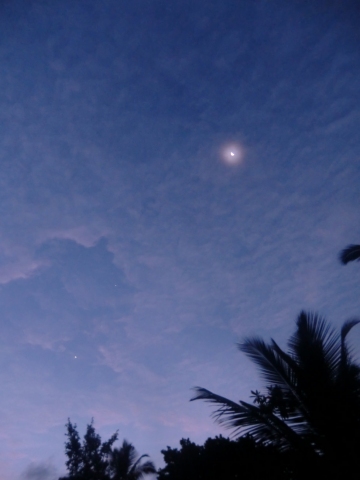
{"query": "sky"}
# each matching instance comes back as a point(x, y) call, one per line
point(135, 249)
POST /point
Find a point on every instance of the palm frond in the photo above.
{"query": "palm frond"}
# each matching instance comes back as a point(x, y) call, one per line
point(348, 325)
point(276, 367)
point(244, 418)
point(315, 344)
point(126, 464)
point(293, 387)
point(228, 410)
point(127, 452)
point(349, 254)
point(123, 458)
point(146, 468)
point(273, 368)
point(346, 363)
point(139, 469)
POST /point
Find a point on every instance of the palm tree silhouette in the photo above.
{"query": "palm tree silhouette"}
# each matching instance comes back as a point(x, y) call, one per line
point(125, 463)
point(312, 401)
point(349, 254)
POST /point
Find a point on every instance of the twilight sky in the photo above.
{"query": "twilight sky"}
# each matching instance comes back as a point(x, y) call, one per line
point(135, 250)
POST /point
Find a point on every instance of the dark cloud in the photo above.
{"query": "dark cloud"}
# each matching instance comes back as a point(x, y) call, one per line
point(40, 471)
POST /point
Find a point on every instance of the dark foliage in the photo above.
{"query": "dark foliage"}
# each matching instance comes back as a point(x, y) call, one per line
point(221, 458)
point(350, 254)
point(87, 460)
point(96, 460)
point(125, 463)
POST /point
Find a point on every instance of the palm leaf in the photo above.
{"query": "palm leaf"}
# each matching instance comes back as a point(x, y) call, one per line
point(244, 418)
point(273, 368)
point(144, 468)
point(295, 392)
point(276, 367)
point(125, 464)
point(137, 469)
point(347, 369)
point(349, 254)
point(315, 347)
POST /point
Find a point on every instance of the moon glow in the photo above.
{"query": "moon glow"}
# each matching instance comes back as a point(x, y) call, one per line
point(232, 154)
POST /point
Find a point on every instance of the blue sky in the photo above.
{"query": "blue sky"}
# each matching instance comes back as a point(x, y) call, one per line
point(130, 240)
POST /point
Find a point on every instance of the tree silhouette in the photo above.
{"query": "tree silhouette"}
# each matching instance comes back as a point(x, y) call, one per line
point(125, 463)
point(87, 460)
point(312, 400)
point(221, 458)
point(350, 254)
point(93, 459)
point(73, 450)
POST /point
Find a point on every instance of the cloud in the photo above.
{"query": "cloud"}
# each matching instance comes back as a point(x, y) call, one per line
point(20, 269)
point(40, 471)
point(83, 235)
point(120, 363)
point(45, 340)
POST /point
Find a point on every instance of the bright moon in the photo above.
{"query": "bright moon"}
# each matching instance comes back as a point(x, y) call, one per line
point(232, 154)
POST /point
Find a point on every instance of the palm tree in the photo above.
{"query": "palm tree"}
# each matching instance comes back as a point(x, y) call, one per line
point(349, 254)
point(312, 402)
point(125, 463)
